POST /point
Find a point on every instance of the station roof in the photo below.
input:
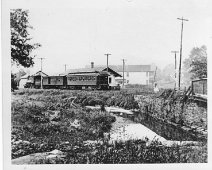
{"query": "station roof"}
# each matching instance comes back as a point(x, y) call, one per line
point(39, 73)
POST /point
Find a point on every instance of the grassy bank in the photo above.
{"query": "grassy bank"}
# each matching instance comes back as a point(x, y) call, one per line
point(133, 151)
point(44, 120)
point(174, 107)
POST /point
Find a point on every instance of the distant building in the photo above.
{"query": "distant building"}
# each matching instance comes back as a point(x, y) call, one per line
point(23, 81)
point(135, 74)
point(36, 78)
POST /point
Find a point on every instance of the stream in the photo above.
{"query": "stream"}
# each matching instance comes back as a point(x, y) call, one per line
point(124, 129)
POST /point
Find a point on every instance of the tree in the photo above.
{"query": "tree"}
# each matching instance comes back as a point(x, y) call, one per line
point(196, 64)
point(168, 73)
point(13, 83)
point(21, 47)
point(159, 74)
point(18, 75)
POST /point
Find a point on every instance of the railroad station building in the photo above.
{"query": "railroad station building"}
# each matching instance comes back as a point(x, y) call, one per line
point(36, 78)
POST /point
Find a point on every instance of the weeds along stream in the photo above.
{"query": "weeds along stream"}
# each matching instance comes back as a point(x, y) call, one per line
point(45, 120)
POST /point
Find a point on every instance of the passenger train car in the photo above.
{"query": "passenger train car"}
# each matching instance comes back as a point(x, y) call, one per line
point(88, 80)
point(54, 82)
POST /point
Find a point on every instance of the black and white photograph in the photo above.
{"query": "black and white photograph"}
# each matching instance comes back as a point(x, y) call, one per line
point(106, 82)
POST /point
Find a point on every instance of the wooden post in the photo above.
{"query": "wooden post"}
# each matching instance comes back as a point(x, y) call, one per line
point(182, 19)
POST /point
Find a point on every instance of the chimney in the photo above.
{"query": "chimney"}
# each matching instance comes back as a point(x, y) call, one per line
point(92, 64)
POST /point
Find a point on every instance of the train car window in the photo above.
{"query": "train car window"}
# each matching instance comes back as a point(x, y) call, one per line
point(73, 78)
point(49, 80)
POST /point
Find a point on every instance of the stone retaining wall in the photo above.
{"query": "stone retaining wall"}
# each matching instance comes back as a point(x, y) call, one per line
point(169, 130)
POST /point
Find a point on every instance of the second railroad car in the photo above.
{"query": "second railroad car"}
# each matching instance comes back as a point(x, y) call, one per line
point(54, 82)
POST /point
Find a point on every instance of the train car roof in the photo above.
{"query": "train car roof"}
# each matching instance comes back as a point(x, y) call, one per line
point(54, 76)
point(84, 73)
point(92, 70)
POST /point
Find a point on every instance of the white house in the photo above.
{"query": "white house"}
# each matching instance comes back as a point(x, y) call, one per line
point(135, 74)
point(23, 81)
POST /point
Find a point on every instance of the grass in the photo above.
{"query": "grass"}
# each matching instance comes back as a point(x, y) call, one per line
point(45, 132)
point(44, 120)
point(133, 151)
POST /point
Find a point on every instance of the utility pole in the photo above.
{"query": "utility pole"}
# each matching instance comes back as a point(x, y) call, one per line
point(182, 19)
point(65, 66)
point(155, 73)
point(41, 77)
point(123, 71)
point(175, 66)
point(107, 60)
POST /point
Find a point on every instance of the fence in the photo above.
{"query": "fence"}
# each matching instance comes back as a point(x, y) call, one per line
point(199, 86)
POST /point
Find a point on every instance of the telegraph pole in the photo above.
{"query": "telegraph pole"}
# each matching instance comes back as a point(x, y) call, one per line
point(107, 60)
point(65, 66)
point(182, 19)
point(41, 80)
point(155, 73)
point(175, 66)
point(123, 71)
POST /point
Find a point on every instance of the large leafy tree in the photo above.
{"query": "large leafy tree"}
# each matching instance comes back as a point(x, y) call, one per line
point(196, 65)
point(21, 46)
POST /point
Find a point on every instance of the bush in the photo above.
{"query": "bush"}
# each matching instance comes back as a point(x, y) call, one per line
point(134, 151)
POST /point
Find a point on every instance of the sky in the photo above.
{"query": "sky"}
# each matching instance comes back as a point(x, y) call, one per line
point(77, 33)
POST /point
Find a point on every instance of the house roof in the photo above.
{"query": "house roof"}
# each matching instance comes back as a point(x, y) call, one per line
point(39, 73)
point(131, 68)
point(25, 76)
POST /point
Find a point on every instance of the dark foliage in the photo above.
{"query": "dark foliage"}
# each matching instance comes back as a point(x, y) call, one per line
point(13, 83)
point(21, 48)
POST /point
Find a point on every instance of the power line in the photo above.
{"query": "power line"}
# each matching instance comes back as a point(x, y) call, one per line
point(107, 60)
point(182, 19)
point(175, 65)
